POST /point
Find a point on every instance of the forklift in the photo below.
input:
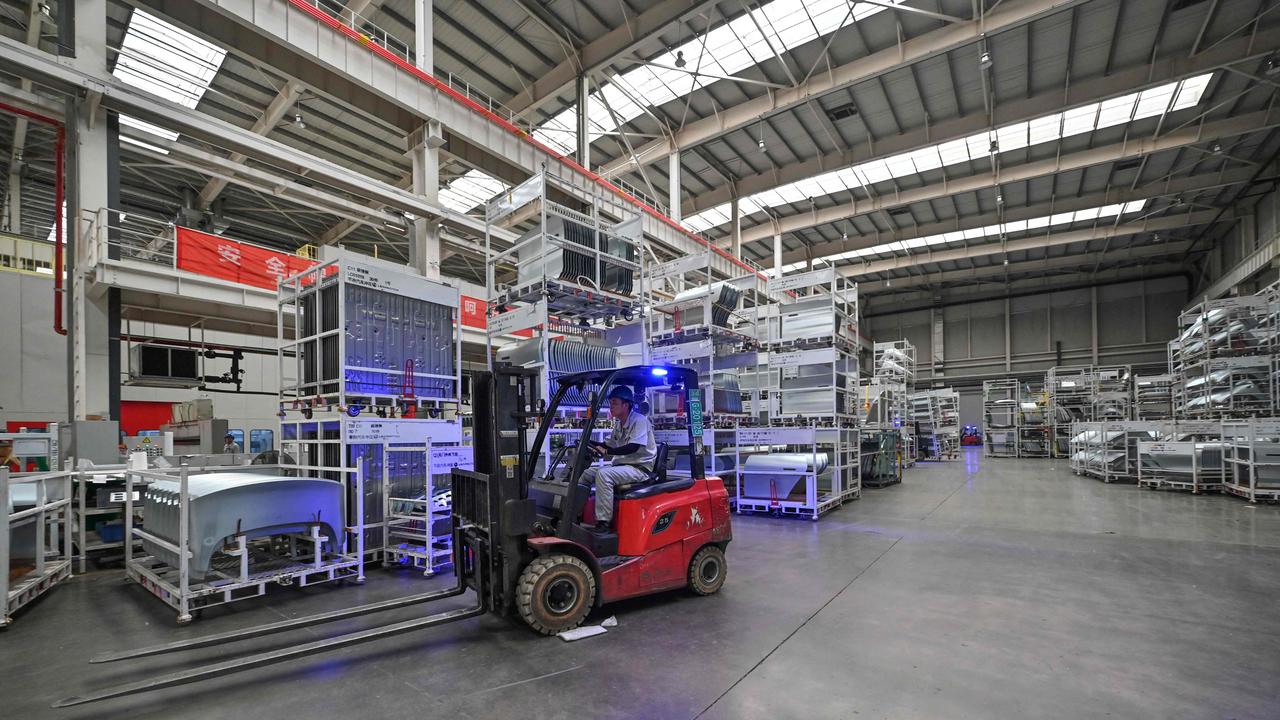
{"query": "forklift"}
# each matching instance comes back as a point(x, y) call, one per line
point(524, 539)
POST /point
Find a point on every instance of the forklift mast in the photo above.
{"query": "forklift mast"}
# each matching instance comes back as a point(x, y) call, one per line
point(491, 505)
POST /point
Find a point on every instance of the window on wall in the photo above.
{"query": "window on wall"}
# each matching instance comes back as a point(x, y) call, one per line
point(238, 436)
point(262, 440)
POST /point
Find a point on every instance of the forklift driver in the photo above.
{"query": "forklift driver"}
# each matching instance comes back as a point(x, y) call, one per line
point(632, 448)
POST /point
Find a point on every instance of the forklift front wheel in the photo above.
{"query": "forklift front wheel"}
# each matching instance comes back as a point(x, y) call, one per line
point(555, 593)
point(707, 570)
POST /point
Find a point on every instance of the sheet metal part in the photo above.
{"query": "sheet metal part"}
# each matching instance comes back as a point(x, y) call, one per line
point(563, 357)
point(224, 505)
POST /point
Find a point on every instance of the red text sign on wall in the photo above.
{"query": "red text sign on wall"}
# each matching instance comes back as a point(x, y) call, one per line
point(215, 256)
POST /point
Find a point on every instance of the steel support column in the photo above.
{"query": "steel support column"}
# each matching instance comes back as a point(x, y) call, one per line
point(424, 240)
point(583, 125)
point(673, 191)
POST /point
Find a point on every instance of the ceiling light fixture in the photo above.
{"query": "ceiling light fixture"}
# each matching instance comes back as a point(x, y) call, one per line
point(680, 61)
point(1216, 148)
point(984, 60)
point(1272, 67)
point(994, 148)
point(761, 143)
point(297, 121)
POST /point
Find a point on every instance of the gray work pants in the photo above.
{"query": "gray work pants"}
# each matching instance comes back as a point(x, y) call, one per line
point(606, 479)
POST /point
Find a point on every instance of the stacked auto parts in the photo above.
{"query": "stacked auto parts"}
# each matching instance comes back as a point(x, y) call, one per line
point(1222, 359)
point(1000, 417)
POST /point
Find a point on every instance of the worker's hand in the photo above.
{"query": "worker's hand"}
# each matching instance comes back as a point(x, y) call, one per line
point(600, 449)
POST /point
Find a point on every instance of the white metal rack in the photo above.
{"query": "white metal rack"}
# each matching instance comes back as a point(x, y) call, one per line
point(1108, 451)
point(44, 530)
point(1000, 417)
point(1225, 387)
point(1252, 454)
point(1188, 455)
point(370, 354)
point(1071, 391)
point(802, 471)
point(937, 415)
point(415, 524)
point(1034, 428)
point(813, 359)
point(1153, 396)
point(246, 568)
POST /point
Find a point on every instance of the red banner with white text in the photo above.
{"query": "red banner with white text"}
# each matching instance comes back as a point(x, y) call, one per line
point(219, 257)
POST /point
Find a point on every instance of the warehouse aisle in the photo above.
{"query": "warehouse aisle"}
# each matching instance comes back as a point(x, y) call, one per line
point(977, 589)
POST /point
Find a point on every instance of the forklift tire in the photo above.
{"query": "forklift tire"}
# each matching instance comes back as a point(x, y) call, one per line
point(707, 570)
point(555, 593)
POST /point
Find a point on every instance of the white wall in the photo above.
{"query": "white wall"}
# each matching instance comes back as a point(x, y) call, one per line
point(1134, 322)
point(33, 365)
point(33, 362)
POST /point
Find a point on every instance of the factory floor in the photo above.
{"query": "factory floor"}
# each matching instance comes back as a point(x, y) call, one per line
point(979, 588)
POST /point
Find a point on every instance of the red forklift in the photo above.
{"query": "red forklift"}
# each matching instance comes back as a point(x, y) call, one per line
point(524, 539)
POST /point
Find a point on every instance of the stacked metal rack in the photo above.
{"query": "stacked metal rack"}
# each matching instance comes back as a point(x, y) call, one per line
point(370, 357)
point(1000, 417)
point(35, 536)
point(805, 458)
point(578, 272)
point(1070, 391)
point(1108, 451)
point(1186, 455)
point(1112, 391)
point(1252, 455)
point(713, 325)
point(1153, 397)
point(1222, 359)
point(894, 364)
point(936, 414)
point(1034, 430)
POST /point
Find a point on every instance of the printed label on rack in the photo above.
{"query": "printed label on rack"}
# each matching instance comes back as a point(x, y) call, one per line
point(1164, 448)
point(679, 266)
point(824, 276)
point(519, 319)
point(398, 282)
point(1239, 362)
point(680, 351)
point(796, 358)
point(408, 432)
point(775, 436)
point(444, 459)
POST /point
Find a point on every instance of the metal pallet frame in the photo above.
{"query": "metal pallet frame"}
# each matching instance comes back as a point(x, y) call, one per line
point(842, 447)
point(1244, 441)
point(1000, 397)
point(1178, 437)
point(173, 585)
point(1093, 452)
point(404, 545)
point(53, 547)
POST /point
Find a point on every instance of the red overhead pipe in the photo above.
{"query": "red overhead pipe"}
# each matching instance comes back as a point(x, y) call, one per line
point(336, 24)
point(59, 194)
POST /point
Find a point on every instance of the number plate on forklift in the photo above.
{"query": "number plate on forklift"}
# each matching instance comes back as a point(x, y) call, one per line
point(695, 412)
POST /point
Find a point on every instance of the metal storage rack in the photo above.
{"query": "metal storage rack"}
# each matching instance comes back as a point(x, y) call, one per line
point(1226, 387)
point(813, 359)
point(249, 567)
point(1153, 397)
point(1229, 327)
point(1108, 451)
point(578, 271)
point(936, 414)
point(1188, 455)
point(1070, 392)
point(417, 526)
point(370, 354)
point(1034, 431)
point(1112, 392)
point(1000, 416)
point(1252, 454)
point(40, 533)
point(801, 471)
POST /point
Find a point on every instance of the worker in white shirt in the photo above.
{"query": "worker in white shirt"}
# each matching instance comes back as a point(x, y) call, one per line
point(631, 447)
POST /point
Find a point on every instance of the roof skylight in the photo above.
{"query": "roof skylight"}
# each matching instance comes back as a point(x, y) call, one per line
point(726, 49)
point(164, 60)
point(1088, 118)
point(959, 236)
point(471, 190)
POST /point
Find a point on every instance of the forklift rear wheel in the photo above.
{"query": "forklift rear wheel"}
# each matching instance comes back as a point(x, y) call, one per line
point(555, 593)
point(707, 570)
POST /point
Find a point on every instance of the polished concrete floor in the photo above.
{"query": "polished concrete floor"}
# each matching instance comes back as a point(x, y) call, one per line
point(977, 589)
